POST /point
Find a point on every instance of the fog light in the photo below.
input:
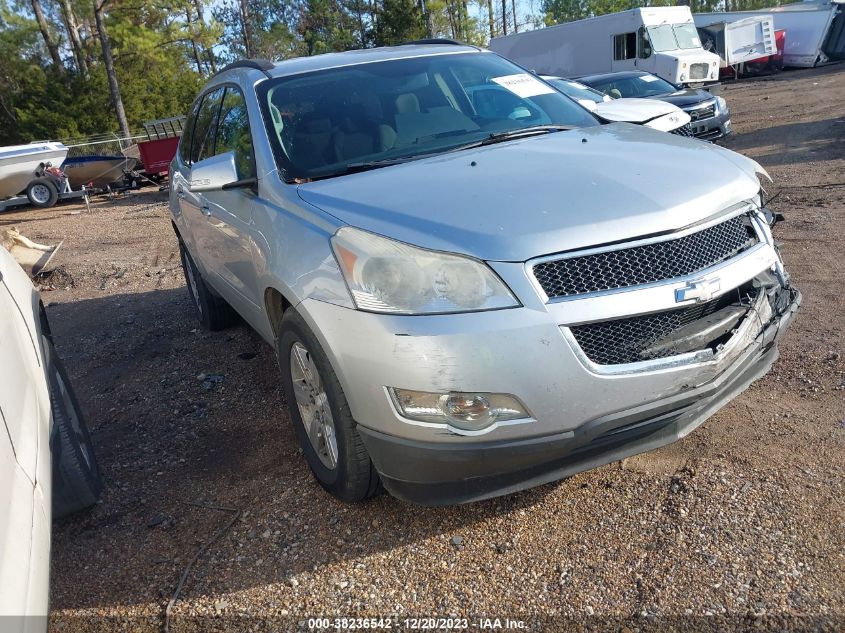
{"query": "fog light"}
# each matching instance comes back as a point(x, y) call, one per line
point(683, 77)
point(466, 411)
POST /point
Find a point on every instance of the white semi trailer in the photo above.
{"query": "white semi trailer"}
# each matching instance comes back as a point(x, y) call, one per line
point(737, 42)
point(660, 40)
point(815, 31)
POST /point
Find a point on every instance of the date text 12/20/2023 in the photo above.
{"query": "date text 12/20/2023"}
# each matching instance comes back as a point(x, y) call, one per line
point(415, 624)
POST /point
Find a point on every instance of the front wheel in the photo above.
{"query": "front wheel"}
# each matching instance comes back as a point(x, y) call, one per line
point(76, 476)
point(320, 413)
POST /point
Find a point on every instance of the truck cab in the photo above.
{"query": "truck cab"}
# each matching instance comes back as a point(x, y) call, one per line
point(665, 43)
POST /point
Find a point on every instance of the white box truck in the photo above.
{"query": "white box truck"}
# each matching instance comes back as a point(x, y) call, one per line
point(660, 40)
point(815, 31)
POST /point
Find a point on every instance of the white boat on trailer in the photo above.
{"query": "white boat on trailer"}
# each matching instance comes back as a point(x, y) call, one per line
point(18, 164)
point(25, 179)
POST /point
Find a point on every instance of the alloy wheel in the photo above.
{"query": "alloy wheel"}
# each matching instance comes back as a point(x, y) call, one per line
point(313, 404)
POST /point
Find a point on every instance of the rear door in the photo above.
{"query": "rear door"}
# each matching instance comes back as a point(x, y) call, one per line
point(194, 209)
point(181, 175)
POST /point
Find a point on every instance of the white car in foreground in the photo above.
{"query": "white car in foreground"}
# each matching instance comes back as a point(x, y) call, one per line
point(47, 466)
point(649, 112)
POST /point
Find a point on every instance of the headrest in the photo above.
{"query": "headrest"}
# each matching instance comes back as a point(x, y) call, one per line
point(407, 103)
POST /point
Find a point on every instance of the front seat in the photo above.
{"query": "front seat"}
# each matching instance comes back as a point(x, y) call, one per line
point(357, 136)
point(312, 140)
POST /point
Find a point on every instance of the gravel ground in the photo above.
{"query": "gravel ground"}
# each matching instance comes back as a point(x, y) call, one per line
point(740, 525)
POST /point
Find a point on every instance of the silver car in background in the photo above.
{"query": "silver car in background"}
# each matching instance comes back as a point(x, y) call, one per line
point(471, 286)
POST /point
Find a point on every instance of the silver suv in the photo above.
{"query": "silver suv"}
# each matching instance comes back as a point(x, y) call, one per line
point(471, 292)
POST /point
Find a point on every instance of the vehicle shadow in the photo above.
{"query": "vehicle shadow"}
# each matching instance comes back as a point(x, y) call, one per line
point(180, 416)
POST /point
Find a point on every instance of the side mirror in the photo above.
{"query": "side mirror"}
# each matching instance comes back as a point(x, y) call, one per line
point(212, 174)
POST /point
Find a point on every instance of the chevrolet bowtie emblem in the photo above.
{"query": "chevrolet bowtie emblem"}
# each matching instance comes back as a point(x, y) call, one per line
point(699, 290)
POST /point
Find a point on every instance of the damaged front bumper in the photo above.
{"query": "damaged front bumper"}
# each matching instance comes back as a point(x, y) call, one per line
point(584, 409)
point(437, 473)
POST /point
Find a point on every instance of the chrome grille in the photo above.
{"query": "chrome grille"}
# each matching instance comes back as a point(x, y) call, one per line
point(627, 340)
point(647, 263)
point(698, 71)
point(684, 130)
point(702, 113)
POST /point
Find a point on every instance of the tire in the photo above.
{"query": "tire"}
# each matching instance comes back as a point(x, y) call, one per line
point(42, 193)
point(76, 477)
point(212, 310)
point(352, 476)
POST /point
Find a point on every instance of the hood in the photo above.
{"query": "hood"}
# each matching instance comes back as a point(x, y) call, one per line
point(544, 194)
point(694, 55)
point(685, 98)
point(634, 110)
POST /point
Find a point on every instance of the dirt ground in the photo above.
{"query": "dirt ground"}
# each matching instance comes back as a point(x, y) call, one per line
point(741, 524)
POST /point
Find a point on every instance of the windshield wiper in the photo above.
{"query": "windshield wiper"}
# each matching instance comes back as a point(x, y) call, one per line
point(354, 168)
point(498, 137)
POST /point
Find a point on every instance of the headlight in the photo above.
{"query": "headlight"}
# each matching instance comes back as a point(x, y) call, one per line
point(388, 276)
point(721, 104)
point(464, 411)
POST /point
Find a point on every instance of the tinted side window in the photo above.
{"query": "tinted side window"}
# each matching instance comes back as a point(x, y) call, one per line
point(233, 133)
point(202, 145)
point(188, 134)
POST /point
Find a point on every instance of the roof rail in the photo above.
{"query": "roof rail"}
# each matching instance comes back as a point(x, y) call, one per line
point(257, 64)
point(434, 40)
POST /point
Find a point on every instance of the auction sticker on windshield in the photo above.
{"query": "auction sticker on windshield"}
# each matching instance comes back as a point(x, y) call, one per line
point(524, 85)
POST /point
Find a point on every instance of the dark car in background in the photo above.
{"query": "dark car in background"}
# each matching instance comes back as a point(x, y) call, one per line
point(709, 114)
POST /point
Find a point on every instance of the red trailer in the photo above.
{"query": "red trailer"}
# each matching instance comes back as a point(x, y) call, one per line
point(160, 147)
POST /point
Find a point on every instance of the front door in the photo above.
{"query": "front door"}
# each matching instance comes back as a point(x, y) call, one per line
point(228, 213)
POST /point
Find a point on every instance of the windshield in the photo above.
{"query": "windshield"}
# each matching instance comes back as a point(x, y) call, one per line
point(669, 37)
point(687, 35)
point(633, 86)
point(577, 91)
point(327, 122)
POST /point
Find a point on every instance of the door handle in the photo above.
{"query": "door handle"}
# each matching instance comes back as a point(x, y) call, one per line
point(205, 209)
point(180, 192)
